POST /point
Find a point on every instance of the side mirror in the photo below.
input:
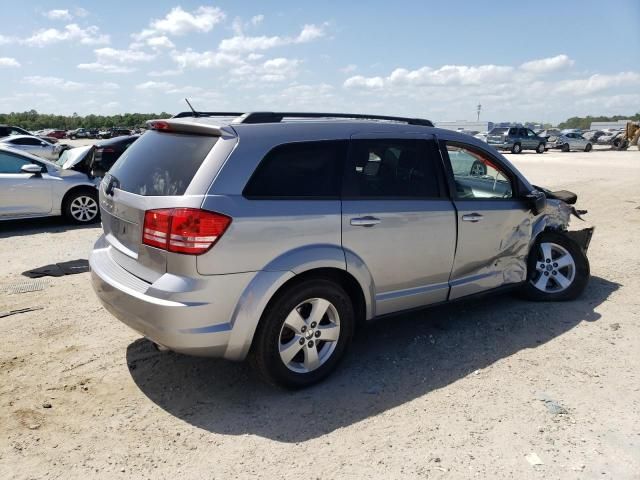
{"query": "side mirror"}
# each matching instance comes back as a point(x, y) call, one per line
point(31, 168)
point(44, 144)
point(537, 201)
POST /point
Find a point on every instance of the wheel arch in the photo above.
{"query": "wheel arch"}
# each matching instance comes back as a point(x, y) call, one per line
point(265, 288)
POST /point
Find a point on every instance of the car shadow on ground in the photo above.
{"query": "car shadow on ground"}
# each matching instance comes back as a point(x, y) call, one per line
point(392, 361)
point(29, 226)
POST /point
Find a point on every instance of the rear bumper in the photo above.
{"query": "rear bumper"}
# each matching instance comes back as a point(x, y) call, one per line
point(501, 145)
point(191, 315)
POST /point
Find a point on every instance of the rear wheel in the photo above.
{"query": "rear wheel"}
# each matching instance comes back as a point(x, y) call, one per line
point(478, 169)
point(540, 148)
point(588, 147)
point(566, 147)
point(517, 148)
point(303, 334)
point(558, 269)
point(81, 207)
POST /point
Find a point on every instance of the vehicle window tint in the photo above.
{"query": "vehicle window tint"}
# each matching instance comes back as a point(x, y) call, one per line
point(476, 175)
point(392, 168)
point(305, 169)
point(11, 163)
point(161, 164)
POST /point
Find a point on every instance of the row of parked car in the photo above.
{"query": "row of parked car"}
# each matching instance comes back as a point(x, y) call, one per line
point(39, 178)
point(517, 139)
point(92, 133)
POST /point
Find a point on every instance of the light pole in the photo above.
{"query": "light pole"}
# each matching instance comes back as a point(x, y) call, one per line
point(479, 108)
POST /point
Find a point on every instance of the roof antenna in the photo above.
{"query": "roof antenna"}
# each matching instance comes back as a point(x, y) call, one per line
point(195, 114)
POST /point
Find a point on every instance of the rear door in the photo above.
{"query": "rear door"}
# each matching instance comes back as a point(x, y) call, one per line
point(396, 220)
point(158, 171)
point(494, 223)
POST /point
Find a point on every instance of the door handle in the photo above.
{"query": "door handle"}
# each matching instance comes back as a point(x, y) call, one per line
point(472, 217)
point(367, 221)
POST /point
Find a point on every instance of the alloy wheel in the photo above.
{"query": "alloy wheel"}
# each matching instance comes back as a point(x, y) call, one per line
point(84, 208)
point(555, 268)
point(309, 335)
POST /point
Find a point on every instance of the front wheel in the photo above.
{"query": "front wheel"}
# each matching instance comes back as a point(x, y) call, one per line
point(81, 207)
point(566, 147)
point(540, 148)
point(558, 269)
point(304, 334)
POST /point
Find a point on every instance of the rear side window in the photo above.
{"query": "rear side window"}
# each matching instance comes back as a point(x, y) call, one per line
point(161, 164)
point(304, 169)
point(392, 169)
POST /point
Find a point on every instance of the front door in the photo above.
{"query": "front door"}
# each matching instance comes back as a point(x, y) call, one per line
point(396, 220)
point(22, 193)
point(494, 225)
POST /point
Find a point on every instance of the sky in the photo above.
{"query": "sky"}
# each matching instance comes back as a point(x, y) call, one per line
point(539, 61)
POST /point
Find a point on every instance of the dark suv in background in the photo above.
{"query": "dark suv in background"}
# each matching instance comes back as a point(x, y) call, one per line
point(516, 139)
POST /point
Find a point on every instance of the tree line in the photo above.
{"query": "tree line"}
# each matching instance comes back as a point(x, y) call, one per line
point(584, 123)
point(32, 120)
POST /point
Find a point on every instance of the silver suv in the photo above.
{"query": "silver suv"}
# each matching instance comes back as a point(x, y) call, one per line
point(274, 234)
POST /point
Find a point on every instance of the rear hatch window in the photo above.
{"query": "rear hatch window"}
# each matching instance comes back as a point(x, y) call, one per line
point(161, 163)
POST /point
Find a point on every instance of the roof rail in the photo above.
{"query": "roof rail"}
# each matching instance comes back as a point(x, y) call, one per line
point(207, 114)
point(275, 117)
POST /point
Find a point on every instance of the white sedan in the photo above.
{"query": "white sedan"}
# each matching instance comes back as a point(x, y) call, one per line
point(33, 145)
point(32, 187)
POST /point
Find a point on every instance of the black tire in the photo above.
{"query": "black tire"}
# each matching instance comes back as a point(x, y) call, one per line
point(566, 147)
point(540, 148)
point(69, 206)
point(588, 147)
point(517, 148)
point(265, 354)
point(580, 278)
point(478, 169)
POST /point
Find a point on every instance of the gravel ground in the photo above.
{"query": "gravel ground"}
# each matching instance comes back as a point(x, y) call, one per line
point(499, 388)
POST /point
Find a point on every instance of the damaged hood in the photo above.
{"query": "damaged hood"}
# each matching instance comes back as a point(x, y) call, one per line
point(70, 158)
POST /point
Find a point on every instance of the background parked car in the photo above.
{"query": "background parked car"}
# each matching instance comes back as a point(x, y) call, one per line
point(570, 141)
point(33, 187)
point(6, 130)
point(108, 151)
point(33, 145)
point(548, 132)
point(79, 133)
point(54, 133)
point(515, 139)
point(114, 132)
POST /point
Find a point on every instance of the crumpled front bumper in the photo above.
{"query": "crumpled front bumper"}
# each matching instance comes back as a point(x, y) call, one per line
point(581, 237)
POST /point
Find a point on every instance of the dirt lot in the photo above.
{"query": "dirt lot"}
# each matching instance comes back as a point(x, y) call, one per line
point(485, 389)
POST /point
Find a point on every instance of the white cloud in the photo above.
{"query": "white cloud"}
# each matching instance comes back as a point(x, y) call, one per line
point(165, 73)
point(112, 55)
point(242, 43)
point(53, 82)
point(105, 68)
point(8, 62)
point(5, 40)
point(546, 65)
point(180, 22)
point(81, 12)
point(599, 82)
point(349, 68)
point(58, 15)
point(207, 59)
point(151, 85)
point(294, 97)
point(257, 20)
point(160, 42)
point(270, 71)
point(85, 35)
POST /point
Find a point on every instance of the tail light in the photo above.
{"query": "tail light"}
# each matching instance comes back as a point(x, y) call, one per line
point(183, 230)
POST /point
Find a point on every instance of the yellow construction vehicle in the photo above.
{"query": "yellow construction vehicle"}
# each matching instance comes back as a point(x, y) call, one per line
point(629, 137)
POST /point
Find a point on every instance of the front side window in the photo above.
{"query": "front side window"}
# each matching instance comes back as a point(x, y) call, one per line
point(301, 169)
point(392, 168)
point(11, 163)
point(476, 175)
